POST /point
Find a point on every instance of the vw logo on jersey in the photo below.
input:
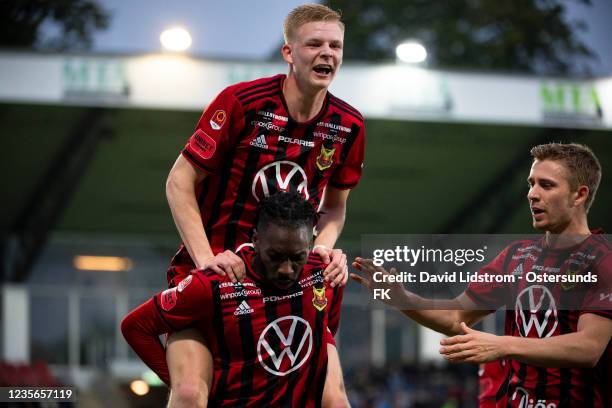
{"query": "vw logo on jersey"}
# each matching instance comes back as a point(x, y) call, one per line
point(526, 401)
point(285, 345)
point(535, 308)
point(280, 176)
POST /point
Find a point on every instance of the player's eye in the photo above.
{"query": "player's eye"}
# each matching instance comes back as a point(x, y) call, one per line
point(275, 257)
point(299, 258)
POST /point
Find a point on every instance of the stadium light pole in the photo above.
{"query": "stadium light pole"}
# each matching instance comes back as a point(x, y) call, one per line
point(411, 52)
point(176, 39)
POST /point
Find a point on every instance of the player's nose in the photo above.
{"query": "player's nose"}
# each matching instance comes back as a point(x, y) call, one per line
point(285, 269)
point(326, 51)
point(533, 194)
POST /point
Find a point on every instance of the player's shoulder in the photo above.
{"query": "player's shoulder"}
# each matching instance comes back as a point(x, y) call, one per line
point(250, 91)
point(601, 242)
point(204, 277)
point(345, 109)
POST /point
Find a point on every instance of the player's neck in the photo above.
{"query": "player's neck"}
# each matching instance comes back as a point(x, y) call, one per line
point(302, 104)
point(573, 234)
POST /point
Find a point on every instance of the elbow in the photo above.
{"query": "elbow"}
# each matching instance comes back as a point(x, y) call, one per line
point(590, 360)
point(588, 355)
point(127, 327)
point(591, 352)
point(171, 186)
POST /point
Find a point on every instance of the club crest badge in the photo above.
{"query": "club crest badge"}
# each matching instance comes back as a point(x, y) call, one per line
point(217, 120)
point(326, 158)
point(319, 301)
point(572, 270)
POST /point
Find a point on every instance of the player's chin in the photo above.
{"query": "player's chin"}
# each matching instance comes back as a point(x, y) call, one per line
point(321, 81)
point(539, 225)
point(283, 283)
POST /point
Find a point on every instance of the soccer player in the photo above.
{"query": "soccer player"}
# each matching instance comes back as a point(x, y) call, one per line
point(556, 357)
point(267, 333)
point(282, 133)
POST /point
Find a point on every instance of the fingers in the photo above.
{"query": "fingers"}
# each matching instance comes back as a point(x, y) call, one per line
point(345, 276)
point(466, 329)
point(216, 269)
point(323, 252)
point(364, 265)
point(455, 340)
point(364, 282)
point(458, 352)
point(337, 271)
point(340, 278)
point(227, 263)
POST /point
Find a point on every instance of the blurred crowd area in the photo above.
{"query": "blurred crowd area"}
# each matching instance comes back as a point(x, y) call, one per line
point(410, 386)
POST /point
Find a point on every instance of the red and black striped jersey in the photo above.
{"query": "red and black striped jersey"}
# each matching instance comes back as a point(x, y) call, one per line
point(250, 147)
point(268, 345)
point(543, 302)
point(491, 376)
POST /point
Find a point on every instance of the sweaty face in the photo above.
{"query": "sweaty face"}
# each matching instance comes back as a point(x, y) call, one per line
point(551, 198)
point(315, 53)
point(282, 253)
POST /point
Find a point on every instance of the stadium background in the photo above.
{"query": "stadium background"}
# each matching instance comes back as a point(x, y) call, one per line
point(88, 179)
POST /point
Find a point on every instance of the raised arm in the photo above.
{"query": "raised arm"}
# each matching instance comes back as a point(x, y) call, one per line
point(181, 188)
point(582, 348)
point(329, 227)
point(444, 316)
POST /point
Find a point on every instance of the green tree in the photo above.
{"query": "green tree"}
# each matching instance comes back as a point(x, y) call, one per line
point(518, 35)
point(21, 22)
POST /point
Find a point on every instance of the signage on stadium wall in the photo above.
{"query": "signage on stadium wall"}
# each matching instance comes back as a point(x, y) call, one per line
point(95, 80)
point(571, 102)
point(386, 91)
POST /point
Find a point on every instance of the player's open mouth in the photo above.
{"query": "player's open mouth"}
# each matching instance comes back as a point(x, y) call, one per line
point(536, 211)
point(323, 69)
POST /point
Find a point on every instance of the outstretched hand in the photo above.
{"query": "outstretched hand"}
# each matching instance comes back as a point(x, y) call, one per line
point(375, 277)
point(473, 346)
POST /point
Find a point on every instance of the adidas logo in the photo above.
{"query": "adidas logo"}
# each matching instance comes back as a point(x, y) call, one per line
point(260, 141)
point(243, 308)
point(518, 270)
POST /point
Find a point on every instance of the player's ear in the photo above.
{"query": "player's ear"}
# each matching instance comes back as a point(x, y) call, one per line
point(581, 195)
point(286, 53)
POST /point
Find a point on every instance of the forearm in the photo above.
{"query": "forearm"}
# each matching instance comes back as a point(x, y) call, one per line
point(442, 316)
point(330, 226)
point(188, 219)
point(141, 329)
point(568, 350)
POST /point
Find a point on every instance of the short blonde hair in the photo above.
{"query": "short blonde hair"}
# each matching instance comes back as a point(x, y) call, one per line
point(307, 13)
point(582, 165)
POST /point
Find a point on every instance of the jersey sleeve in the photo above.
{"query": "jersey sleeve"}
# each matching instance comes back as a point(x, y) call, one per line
point(348, 173)
point(215, 133)
point(598, 298)
point(186, 303)
point(170, 310)
point(492, 295)
point(141, 329)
